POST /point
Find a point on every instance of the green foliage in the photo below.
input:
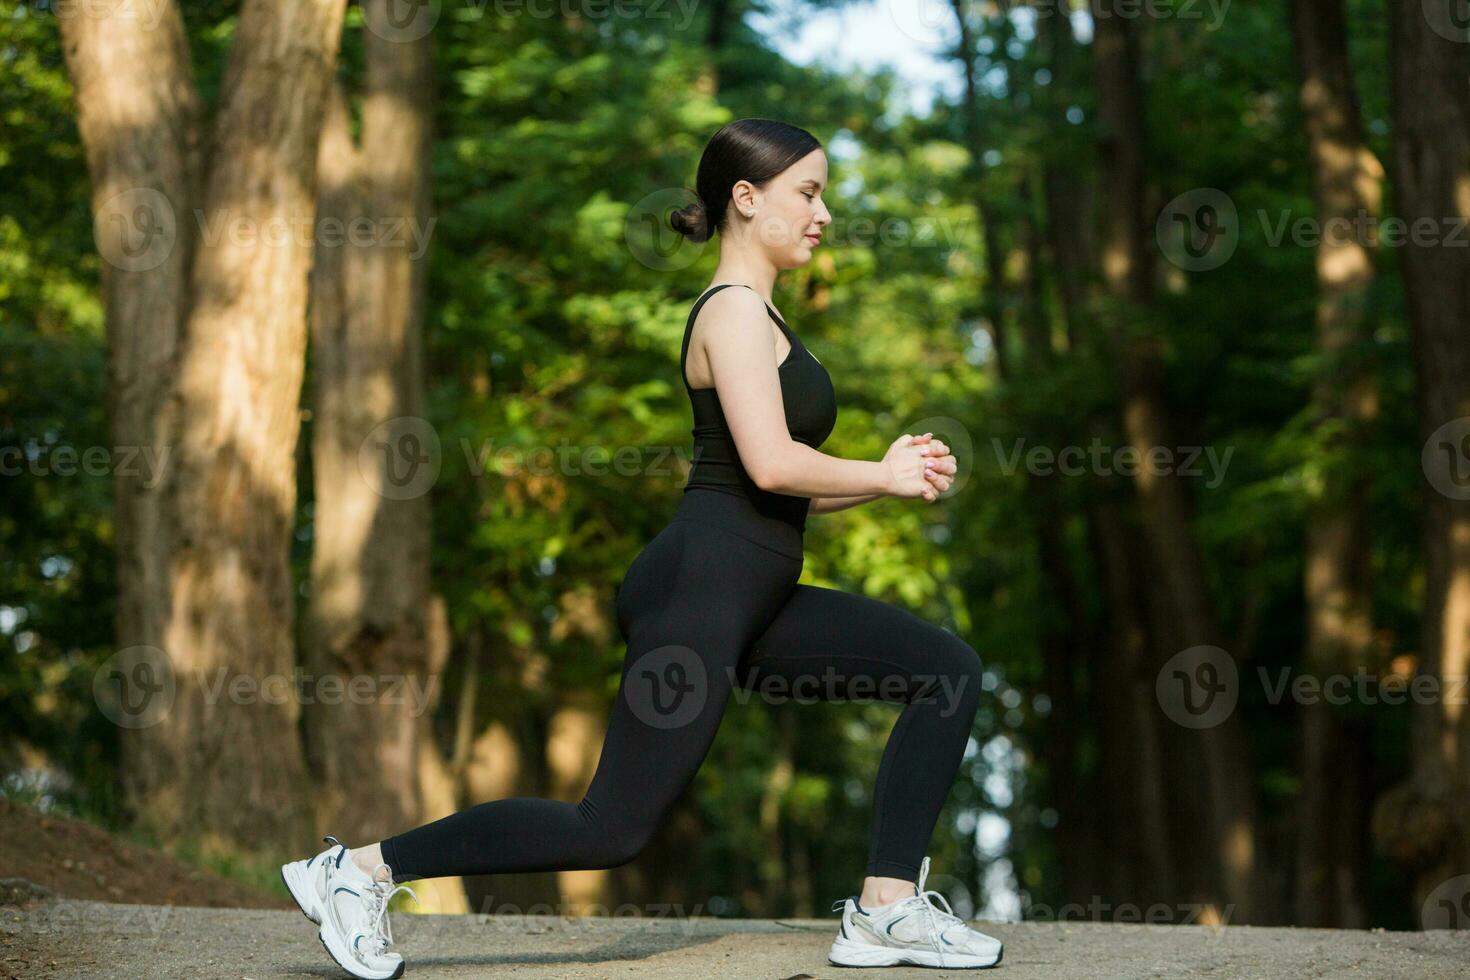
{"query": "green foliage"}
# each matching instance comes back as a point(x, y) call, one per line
point(552, 355)
point(56, 563)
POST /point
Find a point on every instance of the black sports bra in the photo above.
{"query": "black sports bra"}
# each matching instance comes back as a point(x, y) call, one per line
point(811, 413)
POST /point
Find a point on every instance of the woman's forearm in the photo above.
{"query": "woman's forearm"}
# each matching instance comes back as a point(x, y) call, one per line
point(826, 505)
point(801, 471)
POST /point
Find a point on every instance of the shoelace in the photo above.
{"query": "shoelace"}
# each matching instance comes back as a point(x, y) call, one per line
point(379, 895)
point(923, 902)
point(937, 918)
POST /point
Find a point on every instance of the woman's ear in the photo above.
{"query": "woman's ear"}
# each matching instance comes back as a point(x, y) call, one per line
point(743, 194)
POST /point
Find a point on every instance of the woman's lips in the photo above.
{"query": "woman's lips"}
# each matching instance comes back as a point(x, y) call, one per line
point(814, 239)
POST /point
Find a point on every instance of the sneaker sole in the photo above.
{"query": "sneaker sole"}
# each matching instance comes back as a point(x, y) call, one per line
point(845, 952)
point(300, 890)
point(340, 957)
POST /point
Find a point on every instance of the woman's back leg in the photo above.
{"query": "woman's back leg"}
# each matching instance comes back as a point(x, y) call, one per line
point(691, 606)
point(825, 644)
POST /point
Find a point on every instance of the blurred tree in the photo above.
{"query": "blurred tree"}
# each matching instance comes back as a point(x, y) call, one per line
point(369, 613)
point(207, 343)
point(1424, 821)
point(1212, 802)
point(1335, 745)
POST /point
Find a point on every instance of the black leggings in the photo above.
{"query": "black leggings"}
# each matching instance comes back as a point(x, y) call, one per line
point(709, 605)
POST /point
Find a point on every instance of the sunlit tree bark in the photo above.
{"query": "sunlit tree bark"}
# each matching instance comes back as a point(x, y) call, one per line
point(1212, 795)
point(368, 620)
point(1332, 817)
point(1424, 822)
point(228, 410)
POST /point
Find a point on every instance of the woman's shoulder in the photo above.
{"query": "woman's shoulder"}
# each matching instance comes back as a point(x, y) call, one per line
point(729, 305)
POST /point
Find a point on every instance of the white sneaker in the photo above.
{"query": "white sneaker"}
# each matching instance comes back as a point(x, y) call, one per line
point(352, 910)
point(307, 880)
point(910, 930)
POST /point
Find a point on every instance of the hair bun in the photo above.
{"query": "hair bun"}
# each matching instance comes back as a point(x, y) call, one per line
point(692, 221)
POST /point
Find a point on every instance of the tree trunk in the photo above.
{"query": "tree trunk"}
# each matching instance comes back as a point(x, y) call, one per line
point(573, 744)
point(209, 549)
point(1425, 822)
point(716, 35)
point(1131, 778)
point(1069, 196)
point(1332, 814)
point(1065, 623)
point(1126, 791)
point(1065, 631)
point(371, 449)
point(439, 775)
point(1214, 794)
point(993, 304)
point(138, 113)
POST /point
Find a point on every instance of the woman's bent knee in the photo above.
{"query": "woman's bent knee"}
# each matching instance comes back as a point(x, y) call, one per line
point(618, 847)
point(963, 676)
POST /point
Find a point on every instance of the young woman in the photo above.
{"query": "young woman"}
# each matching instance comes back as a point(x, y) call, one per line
point(712, 602)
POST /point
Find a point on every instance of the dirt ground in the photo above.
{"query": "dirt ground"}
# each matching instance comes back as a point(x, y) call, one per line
point(87, 939)
point(45, 855)
point(77, 902)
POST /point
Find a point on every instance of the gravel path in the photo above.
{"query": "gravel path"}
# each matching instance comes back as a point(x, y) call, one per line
point(66, 938)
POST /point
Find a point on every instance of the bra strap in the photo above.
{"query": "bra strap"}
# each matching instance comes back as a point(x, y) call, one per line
point(693, 313)
point(689, 327)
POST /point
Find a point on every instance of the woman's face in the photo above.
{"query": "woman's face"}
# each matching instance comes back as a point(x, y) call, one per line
point(789, 214)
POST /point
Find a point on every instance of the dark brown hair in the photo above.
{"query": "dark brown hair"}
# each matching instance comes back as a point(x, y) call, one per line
point(746, 149)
